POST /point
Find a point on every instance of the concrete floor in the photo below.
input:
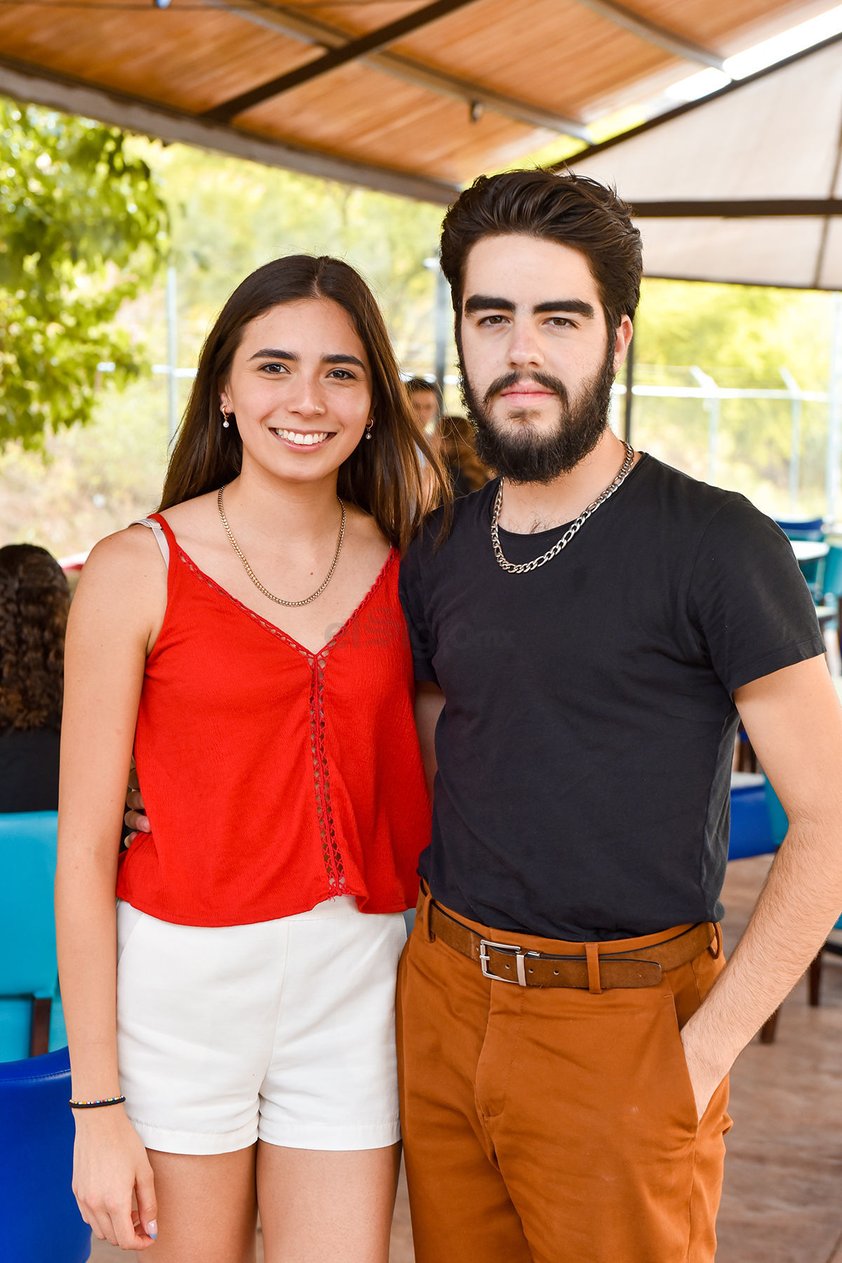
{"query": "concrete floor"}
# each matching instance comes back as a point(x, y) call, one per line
point(783, 1188)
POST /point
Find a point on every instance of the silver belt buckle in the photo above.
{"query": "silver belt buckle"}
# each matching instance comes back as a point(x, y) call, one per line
point(518, 953)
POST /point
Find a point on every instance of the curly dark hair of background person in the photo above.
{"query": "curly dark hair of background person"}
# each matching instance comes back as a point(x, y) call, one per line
point(34, 599)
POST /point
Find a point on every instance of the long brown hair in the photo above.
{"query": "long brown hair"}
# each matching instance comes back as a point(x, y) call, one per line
point(34, 599)
point(459, 454)
point(382, 477)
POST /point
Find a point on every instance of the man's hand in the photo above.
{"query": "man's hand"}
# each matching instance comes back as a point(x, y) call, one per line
point(704, 1077)
point(134, 817)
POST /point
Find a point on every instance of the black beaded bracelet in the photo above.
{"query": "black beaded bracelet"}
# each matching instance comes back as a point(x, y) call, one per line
point(95, 1105)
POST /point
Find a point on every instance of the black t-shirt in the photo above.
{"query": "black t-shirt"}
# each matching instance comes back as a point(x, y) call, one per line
point(29, 769)
point(585, 746)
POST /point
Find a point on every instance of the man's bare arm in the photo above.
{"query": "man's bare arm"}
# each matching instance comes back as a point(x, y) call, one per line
point(794, 721)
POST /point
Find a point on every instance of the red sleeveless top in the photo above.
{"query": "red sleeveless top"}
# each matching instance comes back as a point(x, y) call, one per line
point(274, 778)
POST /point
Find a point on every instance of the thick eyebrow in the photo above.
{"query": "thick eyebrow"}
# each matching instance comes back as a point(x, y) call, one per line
point(481, 302)
point(273, 353)
point(575, 305)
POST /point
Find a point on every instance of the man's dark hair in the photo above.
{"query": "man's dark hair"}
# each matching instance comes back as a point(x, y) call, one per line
point(569, 209)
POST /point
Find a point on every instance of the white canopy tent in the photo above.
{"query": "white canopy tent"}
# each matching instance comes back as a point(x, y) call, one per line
point(745, 185)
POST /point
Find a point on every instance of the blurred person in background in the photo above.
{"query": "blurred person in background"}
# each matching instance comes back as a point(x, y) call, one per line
point(467, 472)
point(426, 402)
point(34, 600)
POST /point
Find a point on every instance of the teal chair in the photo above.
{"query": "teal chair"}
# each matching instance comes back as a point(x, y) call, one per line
point(832, 582)
point(811, 529)
point(31, 1021)
point(813, 572)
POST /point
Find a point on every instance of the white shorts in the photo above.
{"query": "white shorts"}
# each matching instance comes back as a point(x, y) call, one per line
point(282, 1031)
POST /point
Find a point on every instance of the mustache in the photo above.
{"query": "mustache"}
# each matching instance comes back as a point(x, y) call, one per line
point(514, 379)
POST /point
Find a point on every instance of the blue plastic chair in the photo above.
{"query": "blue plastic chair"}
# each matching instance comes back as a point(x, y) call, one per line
point(751, 826)
point(30, 1011)
point(811, 528)
point(40, 1218)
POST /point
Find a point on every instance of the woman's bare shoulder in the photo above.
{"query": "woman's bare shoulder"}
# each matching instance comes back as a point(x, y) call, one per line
point(129, 545)
point(125, 565)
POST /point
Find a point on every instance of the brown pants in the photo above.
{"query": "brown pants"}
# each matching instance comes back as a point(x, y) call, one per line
point(546, 1125)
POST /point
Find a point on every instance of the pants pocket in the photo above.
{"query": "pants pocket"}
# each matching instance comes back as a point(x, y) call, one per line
point(676, 1070)
point(128, 920)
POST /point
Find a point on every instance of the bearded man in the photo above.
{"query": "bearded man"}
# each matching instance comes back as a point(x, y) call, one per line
point(587, 635)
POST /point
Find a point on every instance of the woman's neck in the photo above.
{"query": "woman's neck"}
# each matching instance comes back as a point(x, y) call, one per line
point(277, 508)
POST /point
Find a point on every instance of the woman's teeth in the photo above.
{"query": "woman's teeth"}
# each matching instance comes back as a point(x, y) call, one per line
point(301, 440)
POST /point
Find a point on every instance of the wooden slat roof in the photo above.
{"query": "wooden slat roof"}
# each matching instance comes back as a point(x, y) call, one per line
point(409, 97)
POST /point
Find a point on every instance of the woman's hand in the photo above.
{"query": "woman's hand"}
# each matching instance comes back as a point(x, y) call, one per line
point(112, 1179)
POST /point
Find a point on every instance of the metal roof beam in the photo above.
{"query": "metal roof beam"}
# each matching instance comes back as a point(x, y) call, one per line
point(653, 33)
point(742, 208)
point(30, 84)
point(335, 57)
point(314, 31)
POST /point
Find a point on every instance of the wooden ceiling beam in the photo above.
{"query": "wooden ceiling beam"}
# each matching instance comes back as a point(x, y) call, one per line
point(314, 31)
point(661, 36)
point(335, 57)
point(32, 84)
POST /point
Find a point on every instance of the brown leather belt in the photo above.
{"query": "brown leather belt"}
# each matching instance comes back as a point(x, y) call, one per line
point(595, 969)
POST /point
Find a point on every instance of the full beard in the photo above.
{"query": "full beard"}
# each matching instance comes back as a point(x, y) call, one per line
point(523, 453)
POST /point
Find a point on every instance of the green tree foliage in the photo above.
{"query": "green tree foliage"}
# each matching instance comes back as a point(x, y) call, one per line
point(229, 216)
point(226, 217)
point(83, 229)
point(742, 337)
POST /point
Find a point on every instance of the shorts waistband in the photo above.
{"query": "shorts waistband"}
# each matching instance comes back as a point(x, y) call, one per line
point(505, 956)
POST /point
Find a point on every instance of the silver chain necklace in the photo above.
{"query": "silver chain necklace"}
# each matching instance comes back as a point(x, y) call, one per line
point(510, 567)
point(279, 600)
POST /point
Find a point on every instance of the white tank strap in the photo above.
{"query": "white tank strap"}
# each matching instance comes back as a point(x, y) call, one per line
point(160, 537)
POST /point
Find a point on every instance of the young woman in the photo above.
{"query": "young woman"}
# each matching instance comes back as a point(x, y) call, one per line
point(247, 643)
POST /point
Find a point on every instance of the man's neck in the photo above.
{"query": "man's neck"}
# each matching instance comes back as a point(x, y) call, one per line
point(529, 507)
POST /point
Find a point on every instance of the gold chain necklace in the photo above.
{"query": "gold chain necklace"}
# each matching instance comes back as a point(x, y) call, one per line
point(279, 600)
point(527, 566)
